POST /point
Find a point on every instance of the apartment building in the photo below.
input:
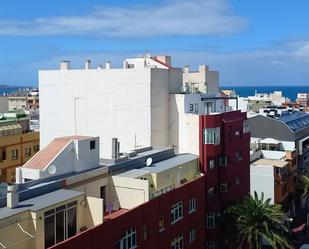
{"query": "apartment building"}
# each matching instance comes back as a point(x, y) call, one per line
point(17, 144)
point(286, 125)
point(78, 199)
point(23, 100)
point(303, 100)
point(225, 161)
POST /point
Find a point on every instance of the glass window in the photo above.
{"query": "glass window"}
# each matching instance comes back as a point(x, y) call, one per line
point(192, 205)
point(129, 240)
point(192, 236)
point(211, 244)
point(211, 220)
point(223, 160)
point(212, 136)
point(14, 154)
point(49, 227)
point(238, 156)
point(28, 152)
point(177, 243)
point(211, 164)
point(224, 187)
point(161, 224)
point(176, 212)
point(92, 145)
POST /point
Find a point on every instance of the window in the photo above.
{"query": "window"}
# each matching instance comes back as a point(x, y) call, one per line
point(14, 154)
point(224, 187)
point(211, 164)
point(176, 212)
point(191, 107)
point(161, 224)
point(177, 243)
point(192, 236)
point(211, 244)
point(223, 160)
point(211, 191)
point(92, 144)
point(3, 155)
point(246, 127)
point(145, 232)
point(238, 156)
point(103, 196)
point(238, 180)
point(128, 241)
point(211, 220)
point(28, 152)
point(212, 135)
point(60, 223)
point(237, 133)
point(192, 205)
point(36, 148)
point(196, 108)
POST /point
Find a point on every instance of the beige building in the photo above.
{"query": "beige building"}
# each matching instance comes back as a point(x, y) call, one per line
point(71, 201)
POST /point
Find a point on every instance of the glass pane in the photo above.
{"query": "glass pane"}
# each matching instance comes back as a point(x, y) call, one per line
point(49, 224)
point(60, 227)
point(71, 222)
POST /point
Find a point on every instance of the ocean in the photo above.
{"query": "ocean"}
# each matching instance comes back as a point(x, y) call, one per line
point(243, 91)
point(287, 91)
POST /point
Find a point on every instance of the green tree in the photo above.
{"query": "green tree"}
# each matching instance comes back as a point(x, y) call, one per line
point(304, 181)
point(252, 221)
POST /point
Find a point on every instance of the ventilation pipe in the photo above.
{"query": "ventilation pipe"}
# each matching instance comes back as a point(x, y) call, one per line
point(88, 64)
point(12, 196)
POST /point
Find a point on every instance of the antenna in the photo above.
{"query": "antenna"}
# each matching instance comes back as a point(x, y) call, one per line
point(52, 169)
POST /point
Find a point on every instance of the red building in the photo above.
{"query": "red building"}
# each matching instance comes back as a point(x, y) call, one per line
point(172, 220)
point(225, 160)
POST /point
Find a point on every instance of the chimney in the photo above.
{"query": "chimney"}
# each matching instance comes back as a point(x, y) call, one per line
point(108, 65)
point(65, 65)
point(115, 148)
point(186, 69)
point(88, 64)
point(12, 196)
point(125, 64)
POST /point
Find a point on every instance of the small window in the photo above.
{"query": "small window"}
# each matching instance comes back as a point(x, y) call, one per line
point(211, 220)
point(192, 236)
point(212, 136)
point(36, 148)
point(14, 154)
point(176, 212)
point(238, 180)
point(191, 107)
point(238, 156)
point(223, 160)
point(161, 224)
point(28, 152)
point(237, 133)
point(211, 191)
point(211, 164)
point(92, 144)
point(224, 187)
point(145, 232)
point(196, 108)
point(192, 205)
point(177, 243)
point(211, 244)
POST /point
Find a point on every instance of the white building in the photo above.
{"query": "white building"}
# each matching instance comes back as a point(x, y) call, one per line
point(130, 103)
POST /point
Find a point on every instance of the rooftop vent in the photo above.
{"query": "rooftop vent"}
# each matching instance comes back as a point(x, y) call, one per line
point(12, 196)
point(65, 65)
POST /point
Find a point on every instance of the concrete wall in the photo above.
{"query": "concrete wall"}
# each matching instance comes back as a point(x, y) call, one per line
point(262, 180)
point(130, 192)
point(94, 212)
point(4, 104)
point(183, 128)
point(113, 103)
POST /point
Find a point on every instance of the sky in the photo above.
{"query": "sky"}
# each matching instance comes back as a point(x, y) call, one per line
point(264, 42)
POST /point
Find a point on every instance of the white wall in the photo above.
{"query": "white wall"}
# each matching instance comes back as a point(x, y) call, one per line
point(130, 192)
point(113, 103)
point(184, 128)
point(262, 180)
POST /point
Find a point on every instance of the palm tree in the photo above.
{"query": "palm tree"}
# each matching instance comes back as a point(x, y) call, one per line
point(253, 221)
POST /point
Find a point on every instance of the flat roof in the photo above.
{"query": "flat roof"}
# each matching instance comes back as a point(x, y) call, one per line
point(135, 173)
point(40, 202)
point(270, 162)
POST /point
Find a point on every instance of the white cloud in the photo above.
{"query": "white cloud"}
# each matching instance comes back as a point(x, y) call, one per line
point(176, 17)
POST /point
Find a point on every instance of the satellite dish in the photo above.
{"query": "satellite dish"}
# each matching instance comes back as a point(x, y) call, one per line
point(148, 161)
point(52, 169)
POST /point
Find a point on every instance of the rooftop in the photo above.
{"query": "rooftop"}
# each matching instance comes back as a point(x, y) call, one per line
point(40, 202)
point(296, 120)
point(270, 162)
point(42, 159)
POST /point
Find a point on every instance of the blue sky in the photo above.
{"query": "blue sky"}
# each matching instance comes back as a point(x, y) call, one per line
point(263, 42)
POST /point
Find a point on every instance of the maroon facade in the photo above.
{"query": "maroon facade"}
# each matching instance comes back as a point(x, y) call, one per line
point(145, 219)
point(226, 165)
